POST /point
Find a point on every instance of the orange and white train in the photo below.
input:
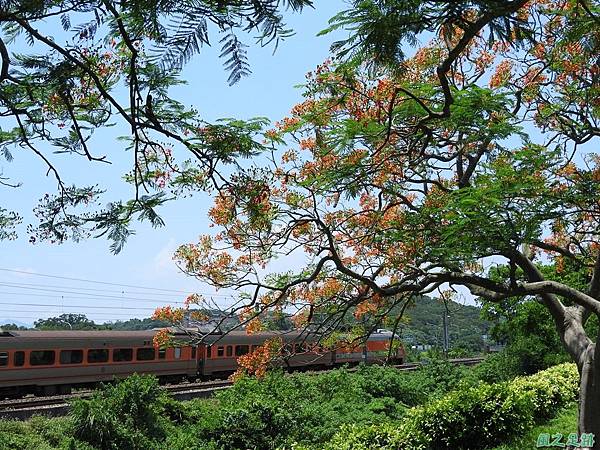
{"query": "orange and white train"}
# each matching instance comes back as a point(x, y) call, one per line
point(53, 362)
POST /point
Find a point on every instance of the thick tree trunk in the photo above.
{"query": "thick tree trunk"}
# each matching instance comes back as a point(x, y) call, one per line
point(589, 397)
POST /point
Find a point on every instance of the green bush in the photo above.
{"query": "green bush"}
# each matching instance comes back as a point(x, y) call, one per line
point(552, 389)
point(337, 410)
point(471, 417)
point(413, 388)
point(309, 410)
point(41, 433)
point(498, 367)
point(129, 415)
point(279, 409)
point(354, 437)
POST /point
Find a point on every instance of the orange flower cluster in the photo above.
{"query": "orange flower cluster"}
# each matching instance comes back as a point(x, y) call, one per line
point(502, 74)
point(300, 319)
point(162, 338)
point(254, 326)
point(168, 314)
point(289, 156)
point(203, 261)
point(257, 362)
point(289, 124)
point(192, 299)
point(223, 210)
point(308, 144)
point(320, 164)
point(368, 306)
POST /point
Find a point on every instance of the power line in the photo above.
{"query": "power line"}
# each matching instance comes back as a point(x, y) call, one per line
point(90, 281)
point(57, 312)
point(74, 297)
point(91, 296)
point(76, 306)
point(104, 282)
point(76, 289)
point(115, 291)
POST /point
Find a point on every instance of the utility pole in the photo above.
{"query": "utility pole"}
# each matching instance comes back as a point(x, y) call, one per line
point(445, 320)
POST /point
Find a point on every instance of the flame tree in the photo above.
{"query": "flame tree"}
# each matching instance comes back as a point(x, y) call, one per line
point(400, 174)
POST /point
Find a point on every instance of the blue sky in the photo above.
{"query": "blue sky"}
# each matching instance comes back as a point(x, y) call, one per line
point(146, 259)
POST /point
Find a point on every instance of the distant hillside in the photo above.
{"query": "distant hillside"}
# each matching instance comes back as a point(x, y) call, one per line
point(425, 324)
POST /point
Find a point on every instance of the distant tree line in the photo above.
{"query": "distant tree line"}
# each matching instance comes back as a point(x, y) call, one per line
point(81, 322)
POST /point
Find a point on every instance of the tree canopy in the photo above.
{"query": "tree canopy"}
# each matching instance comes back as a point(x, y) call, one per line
point(65, 322)
point(404, 174)
point(117, 66)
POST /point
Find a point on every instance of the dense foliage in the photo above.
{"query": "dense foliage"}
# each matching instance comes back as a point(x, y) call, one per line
point(471, 418)
point(439, 404)
point(65, 322)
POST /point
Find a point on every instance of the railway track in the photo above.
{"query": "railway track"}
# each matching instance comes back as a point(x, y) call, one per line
point(58, 405)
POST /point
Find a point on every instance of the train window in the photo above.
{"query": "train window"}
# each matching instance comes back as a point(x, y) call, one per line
point(241, 350)
point(71, 356)
point(193, 352)
point(177, 352)
point(162, 353)
point(209, 351)
point(122, 354)
point(19, 358)
point(220, 351)
point(145, 354)
point(3, 358)
point(230, 350)
point(97, 355)
point(42, 357)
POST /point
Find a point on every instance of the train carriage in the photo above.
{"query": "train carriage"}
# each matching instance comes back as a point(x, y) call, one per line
point(49, 362)
point(53, 361)
point(220, 352)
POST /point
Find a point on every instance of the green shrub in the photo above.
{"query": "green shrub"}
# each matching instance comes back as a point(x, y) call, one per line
point(498, 367)
point(552, 389)
point(18, 436)
point(404, 387)
point(353, 437)
point(413, 388)
point(471, 417)
point(189, 437)
point(278, 410)
point(442, 376)
point(128, 415)
point(41, 433)
point(309, 410)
